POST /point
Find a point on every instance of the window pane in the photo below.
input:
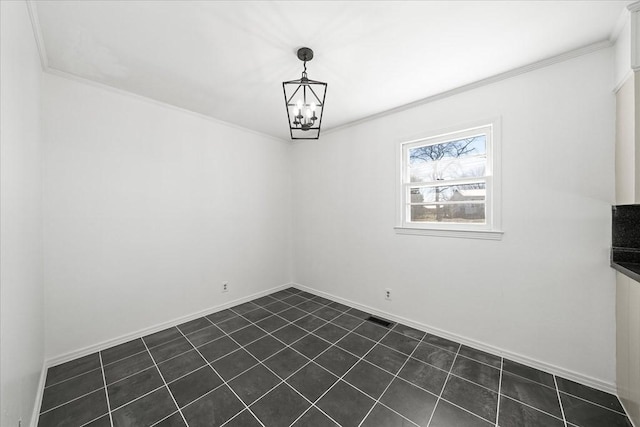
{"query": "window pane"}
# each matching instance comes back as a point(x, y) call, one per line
point(449, 213)
point(456, 159)
point(449, 193)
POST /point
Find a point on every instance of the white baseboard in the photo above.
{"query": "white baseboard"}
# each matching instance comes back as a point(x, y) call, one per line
point(627, 412)
point(543, 366)
point(131, 336)
point(36, 407)
point(156, 328)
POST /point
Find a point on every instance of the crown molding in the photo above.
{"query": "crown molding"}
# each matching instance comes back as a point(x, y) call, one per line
point(585, 50)
point(37, 33)
point(623, 20)
point(148, 100)
point(634, 20)
point(628, 75)
point(44, 62)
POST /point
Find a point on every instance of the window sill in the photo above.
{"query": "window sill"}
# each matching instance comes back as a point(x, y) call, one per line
point(463, 234)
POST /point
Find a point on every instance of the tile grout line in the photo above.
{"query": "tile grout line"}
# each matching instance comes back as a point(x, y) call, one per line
point(237, 414)
point(106, 393)
point(165, 382)
point(126, 357)
point(340, 378)
point(243, 347)
point(430, 392)
point(224, 382)
point(475, 383)
point(492, 391)
point(90, 421)
point(116, 408)
point(465, 410)
point(276, 338)
point(213, 324)
point(376, 399)
point(283, 381)
point(70, 401)
point(533, 381)
point(147, 349)
point(139, 397)
point(558, 391)
point(532, 407)
point(308, 332)
point(288, 322)
point(311, 360)
point(70, 378)
point(310, 313)
point(167, 417)
point(98, 389)
point(452, 374)
point(481, 362)
point(395, 376)
point(137, 372)
point(332, 344)
point(592, 402)
point(183, 375)
point(499, 392)
point(564, 419)
point(311, 332)
point(286, 345)
point(444, 385)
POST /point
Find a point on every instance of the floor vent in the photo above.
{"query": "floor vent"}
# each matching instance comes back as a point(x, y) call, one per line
point(379, 321)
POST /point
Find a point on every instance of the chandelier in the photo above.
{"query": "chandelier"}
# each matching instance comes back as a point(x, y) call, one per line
point(304, 101)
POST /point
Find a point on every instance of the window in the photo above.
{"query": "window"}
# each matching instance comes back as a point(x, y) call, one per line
point(449, 185)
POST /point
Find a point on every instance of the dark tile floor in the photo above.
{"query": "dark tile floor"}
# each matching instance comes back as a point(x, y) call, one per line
point(296, 359)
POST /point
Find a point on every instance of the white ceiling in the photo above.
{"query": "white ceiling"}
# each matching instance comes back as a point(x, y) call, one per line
point(227, 59)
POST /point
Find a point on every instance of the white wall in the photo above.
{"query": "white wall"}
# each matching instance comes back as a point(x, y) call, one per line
point(625, 165)
point(148, 209)
point(622, 51)
point(21, 283)
point(545, 291)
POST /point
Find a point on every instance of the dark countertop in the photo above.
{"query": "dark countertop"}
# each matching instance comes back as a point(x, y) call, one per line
point(628, 269)
point(625, 240)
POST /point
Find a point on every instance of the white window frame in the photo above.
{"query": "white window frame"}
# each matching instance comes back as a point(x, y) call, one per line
point(491, 228)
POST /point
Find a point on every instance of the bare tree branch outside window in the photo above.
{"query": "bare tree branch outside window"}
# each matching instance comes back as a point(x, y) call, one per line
point(456, 159)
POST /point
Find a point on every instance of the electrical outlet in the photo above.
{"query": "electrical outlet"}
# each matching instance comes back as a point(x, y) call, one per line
point(225, 287)
point(387, 294)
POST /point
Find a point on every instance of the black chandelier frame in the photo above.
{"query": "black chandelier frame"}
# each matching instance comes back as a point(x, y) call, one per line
point(300, 126)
